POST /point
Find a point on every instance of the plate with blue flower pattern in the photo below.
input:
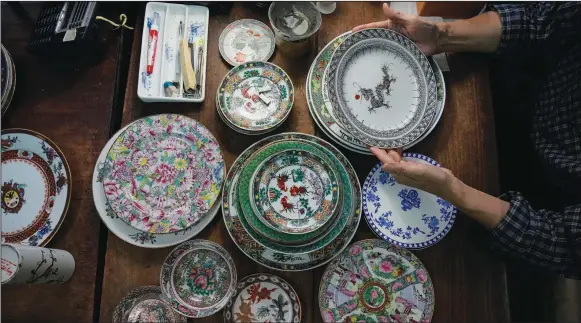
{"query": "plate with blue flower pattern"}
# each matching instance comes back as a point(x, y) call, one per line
point(403, 215)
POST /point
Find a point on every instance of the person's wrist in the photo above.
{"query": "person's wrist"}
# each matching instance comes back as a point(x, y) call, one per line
point(456, 191)
point(443, 29)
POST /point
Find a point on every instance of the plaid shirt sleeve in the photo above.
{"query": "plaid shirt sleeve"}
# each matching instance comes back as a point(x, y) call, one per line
point(545, 238)
point(526, 25)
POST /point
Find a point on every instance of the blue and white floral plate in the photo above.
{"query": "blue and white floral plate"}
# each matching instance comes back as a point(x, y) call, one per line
point(402, 215)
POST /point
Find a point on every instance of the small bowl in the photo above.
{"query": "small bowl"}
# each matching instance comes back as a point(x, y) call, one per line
point(146, 304)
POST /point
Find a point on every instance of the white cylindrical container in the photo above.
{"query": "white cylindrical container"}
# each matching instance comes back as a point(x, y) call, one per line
point(35, 265)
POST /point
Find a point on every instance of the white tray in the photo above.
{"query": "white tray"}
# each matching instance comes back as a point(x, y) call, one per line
point(166, 65)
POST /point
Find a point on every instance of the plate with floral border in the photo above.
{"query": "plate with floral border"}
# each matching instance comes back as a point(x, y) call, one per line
point(263, 298)
point(374, 281)
point(146, 304)
point(163, 173)
point(383, 89)
point(128, 233)
point(256, 96)
point(271, 258)
point(36, 187)
point(246, 40)
point(403, 215)
point(199, 277)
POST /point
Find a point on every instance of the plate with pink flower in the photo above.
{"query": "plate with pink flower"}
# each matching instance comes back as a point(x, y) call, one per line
point(374, 281)
point(163, 173)
point(246, 40)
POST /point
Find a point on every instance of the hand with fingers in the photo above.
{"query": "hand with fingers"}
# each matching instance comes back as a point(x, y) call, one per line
point(424, 33)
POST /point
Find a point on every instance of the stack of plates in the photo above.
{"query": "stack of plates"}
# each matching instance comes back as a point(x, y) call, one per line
point(157, 181)
point(375, 88)
point(8, 79)
point(291, 202)
point(255, 97)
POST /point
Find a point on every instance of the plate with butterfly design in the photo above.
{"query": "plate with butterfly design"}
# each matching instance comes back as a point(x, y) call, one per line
point(403, 215)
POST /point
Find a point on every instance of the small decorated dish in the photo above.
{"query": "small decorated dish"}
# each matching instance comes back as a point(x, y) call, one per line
point(198, 277)
point(263, 298)
point(246, 40)
point(146, 304)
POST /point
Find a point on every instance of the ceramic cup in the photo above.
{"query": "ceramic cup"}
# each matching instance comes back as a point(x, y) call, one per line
point(294, 23)
point(35, 265)
point(326, 7)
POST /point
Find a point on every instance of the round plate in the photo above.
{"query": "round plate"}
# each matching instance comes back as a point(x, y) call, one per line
point(36, 189)
point(403, 215)
point(198, 277)
point(128, 233)
point(246, 40)
point(267, 256)
point(383, 89)
point(374, 281)
point(4, 67)
point(146, 304)
point(8, 79)
point(256, 96)
point(263, 298)
point(163, 173)
point(295, 192)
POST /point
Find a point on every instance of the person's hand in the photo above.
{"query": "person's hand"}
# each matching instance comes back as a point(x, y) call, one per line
point(424, 33)
point(433, 179)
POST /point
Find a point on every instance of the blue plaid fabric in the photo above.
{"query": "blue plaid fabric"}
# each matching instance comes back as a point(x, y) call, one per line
point(548, 238)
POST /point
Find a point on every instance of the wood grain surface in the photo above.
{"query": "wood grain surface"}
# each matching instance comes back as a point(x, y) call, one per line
point(469, 279)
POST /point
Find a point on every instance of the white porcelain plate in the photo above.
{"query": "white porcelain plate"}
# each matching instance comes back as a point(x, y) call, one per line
point(246, 40)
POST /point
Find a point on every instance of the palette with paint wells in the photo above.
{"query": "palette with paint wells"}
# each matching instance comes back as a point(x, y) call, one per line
point(182, 43)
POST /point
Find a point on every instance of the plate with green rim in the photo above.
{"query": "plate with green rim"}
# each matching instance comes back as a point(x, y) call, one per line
point(269, 257)
point(294, 191)
point(267, 239)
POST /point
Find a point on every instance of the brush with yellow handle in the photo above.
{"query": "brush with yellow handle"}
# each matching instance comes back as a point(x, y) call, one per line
point(188, 73)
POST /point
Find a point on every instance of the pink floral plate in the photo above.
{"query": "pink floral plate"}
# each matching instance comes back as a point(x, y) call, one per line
point(163, 173)
point(246, 40)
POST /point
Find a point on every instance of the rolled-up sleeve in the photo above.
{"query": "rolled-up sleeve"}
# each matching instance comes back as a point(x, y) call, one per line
point(545, 238)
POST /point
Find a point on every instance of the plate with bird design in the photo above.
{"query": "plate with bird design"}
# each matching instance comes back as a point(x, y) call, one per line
point(383, 89)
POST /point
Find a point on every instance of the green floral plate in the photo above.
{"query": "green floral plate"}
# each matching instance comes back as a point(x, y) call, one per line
point(294, 191)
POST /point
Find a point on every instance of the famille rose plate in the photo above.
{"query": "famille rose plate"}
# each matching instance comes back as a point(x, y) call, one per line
point(256, 97)
point(199, 277)
point(295, 192)
point(263, 252)
point(382, 88)
point(403, 215)
point(263, 298)
point(36, 187)
point(146, 304)
point(163, 173)
point(374, 281)
point(128, 233)
point(246, 40)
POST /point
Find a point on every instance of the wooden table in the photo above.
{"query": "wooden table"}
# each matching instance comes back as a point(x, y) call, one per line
point(469, 279)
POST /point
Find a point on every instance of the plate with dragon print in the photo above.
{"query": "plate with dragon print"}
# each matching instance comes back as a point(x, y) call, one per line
point(256, 97)
point(383, 89)
point(128, 233)
point(36, 189)
point(146, 304)
point(403, 215)
point(263, 298)
point(295, 192)
point(246, 40)
point(199, 277)
point(163, 173)
point(374, 281)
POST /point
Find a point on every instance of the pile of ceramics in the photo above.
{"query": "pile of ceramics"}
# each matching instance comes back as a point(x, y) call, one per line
point(8, 79)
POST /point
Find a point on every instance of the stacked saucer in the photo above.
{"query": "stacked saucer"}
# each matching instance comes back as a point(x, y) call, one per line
point(157, 181)
point(255, 97)
point(389, 99)
point(291, 202)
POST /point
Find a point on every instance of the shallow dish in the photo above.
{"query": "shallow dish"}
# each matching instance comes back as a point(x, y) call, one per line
point(246, 40)
point(146, 304)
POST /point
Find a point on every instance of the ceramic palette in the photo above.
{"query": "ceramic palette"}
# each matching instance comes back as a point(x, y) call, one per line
point(246, 40)
point(263, 298)
point(146, 304)
point(36, 189)
point(382, 88)
point(128, 233)
point(255, 97)
point(198, 277)
point(321, 107)
point(374, 281)
point(163, 173)
point(402, 215)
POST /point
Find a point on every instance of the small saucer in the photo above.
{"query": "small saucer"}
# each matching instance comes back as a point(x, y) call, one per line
point(146, 304)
